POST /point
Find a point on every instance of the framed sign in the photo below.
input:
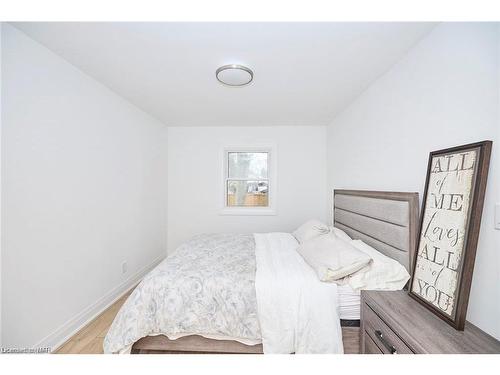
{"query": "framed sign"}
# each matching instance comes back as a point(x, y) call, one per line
point(449, 230)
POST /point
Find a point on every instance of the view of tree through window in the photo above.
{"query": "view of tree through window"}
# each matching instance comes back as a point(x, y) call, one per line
point(247, 181)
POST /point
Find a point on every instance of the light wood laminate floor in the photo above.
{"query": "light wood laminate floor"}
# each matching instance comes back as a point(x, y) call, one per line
point(90, 338)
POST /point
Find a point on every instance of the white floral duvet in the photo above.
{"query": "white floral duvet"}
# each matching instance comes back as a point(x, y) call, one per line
point(206, 287)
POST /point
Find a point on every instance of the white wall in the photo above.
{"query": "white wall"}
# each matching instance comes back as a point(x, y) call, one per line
point(194, 179)
point(83, 175)
point(445, 92)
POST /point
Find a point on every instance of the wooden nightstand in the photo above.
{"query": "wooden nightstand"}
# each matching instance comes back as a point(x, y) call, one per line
point(393, 322)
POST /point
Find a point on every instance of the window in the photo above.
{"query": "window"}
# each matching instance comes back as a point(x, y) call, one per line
point(247, 181)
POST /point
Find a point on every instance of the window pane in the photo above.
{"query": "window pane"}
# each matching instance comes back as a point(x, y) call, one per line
point(247, 193)
point(247, 165)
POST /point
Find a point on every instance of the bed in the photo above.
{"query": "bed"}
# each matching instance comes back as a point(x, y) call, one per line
point(387, 221)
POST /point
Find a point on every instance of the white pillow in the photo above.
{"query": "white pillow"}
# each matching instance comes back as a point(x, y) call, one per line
point(310, 229)
point(340, 233)
point(383, 273)
point(332, 258)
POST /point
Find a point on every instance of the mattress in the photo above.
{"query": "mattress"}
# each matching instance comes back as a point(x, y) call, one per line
point(349, 303)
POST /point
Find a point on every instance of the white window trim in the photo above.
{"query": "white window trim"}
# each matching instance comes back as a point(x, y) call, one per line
point(272, 176)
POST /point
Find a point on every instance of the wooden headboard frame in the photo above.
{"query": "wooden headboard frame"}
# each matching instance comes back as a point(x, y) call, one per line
point(387, 221)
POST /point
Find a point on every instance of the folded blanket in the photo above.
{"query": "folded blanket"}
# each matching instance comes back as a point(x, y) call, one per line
point(297, 312)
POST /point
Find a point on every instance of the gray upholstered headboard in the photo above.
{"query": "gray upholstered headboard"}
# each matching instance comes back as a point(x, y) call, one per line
point(384, 220)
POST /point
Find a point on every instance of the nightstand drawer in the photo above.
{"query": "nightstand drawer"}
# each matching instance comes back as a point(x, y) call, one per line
point(370, 346)
point(383, 336)
point(394, 319)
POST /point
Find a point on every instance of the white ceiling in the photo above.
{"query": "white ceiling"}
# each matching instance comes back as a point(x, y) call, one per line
point(305, 73)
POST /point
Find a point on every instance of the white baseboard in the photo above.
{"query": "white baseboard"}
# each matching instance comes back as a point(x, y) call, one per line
point(75, 324)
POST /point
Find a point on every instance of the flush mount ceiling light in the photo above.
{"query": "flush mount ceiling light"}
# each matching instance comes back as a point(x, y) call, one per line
point(234, 75)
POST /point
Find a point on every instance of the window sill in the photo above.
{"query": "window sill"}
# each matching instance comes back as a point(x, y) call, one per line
point(247, 211)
